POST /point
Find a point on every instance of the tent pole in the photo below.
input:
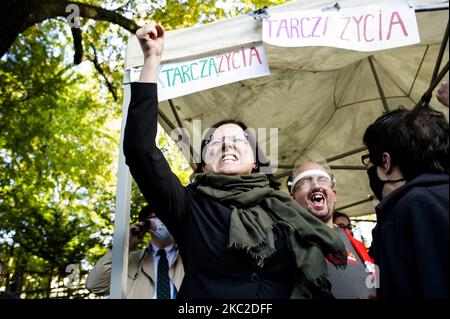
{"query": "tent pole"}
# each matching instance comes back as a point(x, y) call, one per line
point(356, 219)
point(426, 97)
point(377, 80)
point(180, 125)
point(281, 175)
point(166, 119)
point(349, 167)
point(330, 159)
point(440, 55)
point(357, 150)
point(435, 78)
point(418, 71)
point(290, 167)
point(175, 112)
point(439, 7)
point(172, 127)
point(119, 266)
point(343, 167)
point(368, 199)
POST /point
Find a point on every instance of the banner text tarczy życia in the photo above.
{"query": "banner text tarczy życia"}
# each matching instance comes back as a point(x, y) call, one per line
point(368, 28)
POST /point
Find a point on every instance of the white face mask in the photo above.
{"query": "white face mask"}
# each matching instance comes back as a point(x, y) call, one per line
point(161, 231)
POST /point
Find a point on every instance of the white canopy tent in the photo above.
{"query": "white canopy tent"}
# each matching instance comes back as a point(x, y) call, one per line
point(321, 99)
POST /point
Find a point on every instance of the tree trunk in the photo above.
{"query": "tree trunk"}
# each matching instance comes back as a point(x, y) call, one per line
point(50, 277)
point(17, 280)
point(8, 277)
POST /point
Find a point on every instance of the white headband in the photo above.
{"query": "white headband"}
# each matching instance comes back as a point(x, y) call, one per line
point(309, 173)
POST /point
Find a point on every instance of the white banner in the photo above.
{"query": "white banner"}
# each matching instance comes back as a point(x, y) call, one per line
point(182, 78)
point(367, 28)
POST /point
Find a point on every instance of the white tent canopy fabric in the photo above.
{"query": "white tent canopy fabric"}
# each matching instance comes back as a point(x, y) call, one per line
point(321, 99)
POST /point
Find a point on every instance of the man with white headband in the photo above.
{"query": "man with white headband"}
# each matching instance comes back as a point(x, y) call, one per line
point(314, 188)
point(155, 272)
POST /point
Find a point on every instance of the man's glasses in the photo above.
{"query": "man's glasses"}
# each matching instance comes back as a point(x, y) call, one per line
point(310, 181)
point(235, 139)
point(348, 227)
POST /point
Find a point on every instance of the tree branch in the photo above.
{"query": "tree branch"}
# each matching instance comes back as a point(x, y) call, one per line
point(57, 8)
point(18, 15)
point(119, 8)
point(100, 70)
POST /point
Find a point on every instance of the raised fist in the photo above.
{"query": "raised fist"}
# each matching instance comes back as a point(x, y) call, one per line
point(151, 39)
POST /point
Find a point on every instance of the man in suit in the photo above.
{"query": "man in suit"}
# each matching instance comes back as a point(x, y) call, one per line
point(155, 272)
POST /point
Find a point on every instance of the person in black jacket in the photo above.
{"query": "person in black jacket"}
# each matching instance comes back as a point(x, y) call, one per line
point(408, 173)
point(237, 236)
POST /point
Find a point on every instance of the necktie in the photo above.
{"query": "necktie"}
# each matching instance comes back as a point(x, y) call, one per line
point(163, 281)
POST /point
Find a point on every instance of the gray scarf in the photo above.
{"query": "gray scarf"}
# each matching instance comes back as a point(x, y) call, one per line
point(256, 208)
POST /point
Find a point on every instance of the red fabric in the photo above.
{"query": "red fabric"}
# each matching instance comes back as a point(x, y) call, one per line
point(368, 261)
point(359, 247)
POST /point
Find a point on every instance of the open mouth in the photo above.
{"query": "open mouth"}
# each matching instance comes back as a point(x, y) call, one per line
point(228, 158)
point(317, 200)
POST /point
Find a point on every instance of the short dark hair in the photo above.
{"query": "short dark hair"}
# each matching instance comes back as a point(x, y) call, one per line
point(337, 214)
point(260, 158)
point(417, 141)
point(145, 213)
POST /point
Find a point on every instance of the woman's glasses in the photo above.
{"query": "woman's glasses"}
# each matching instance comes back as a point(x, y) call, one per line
point(235, 139)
